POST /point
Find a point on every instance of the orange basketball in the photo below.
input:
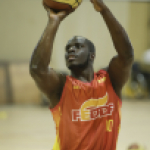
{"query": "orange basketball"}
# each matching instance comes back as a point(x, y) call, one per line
point(59, 5)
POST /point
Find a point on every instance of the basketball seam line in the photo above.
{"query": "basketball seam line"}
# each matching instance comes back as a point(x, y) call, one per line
point(76, 2)
point(60, 3)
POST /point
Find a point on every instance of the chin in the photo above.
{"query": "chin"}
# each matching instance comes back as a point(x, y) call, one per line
point(76, 65)
point(72, 67)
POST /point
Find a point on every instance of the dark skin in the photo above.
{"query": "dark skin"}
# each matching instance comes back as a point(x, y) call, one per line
point(78, 58)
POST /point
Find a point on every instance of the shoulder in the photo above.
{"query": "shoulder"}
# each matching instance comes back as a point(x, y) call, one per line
point(62, 78)
point(106, 77)
point(57, 87)
point(102, 72)
point(56, 93)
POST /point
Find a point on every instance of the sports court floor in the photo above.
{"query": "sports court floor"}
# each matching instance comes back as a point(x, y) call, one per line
point(32, 128)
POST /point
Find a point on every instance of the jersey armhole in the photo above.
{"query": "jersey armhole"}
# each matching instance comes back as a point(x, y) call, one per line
point(108, 80)
point(61, 99)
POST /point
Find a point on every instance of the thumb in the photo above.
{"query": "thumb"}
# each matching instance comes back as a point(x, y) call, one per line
point(62, 14)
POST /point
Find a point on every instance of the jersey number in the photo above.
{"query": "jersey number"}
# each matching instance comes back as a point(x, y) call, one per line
point(109, 125)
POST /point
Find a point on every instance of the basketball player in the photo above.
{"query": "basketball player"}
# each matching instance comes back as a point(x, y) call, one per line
point(85, 105)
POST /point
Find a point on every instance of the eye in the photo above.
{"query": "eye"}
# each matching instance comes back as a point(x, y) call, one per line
point(78, 46)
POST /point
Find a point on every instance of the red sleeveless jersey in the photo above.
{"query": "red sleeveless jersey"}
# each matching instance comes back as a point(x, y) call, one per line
point(88, 115)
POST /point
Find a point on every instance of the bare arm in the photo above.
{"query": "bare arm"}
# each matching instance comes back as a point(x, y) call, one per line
point(49, 82)
point(120, 65)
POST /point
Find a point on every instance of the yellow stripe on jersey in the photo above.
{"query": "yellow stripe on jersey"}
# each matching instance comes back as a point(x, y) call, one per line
point(56, 144)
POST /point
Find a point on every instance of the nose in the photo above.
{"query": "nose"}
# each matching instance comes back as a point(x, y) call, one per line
point(71, 49)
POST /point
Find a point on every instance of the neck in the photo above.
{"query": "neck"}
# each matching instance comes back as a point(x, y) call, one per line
point(85, 75)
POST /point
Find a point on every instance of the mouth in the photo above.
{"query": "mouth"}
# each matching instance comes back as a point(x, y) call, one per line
point(71, 58)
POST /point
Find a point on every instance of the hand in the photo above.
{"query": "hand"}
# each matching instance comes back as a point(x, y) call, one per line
point(98, 5)
point(56, 16)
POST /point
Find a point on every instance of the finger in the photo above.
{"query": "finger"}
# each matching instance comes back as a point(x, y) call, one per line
point(72, 10)
point(47, 8)
point(45, 5)
point(97, 8)
point(62, 16)
point(51, 11)
point(62, 13)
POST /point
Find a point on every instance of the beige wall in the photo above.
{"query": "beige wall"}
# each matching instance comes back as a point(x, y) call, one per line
point(22, 23)
point(24, 89)
point(139, 27)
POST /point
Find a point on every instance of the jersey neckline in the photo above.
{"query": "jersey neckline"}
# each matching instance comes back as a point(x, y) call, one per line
point(82, 82)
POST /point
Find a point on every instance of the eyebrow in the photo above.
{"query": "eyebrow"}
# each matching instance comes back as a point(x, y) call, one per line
point(68, 45)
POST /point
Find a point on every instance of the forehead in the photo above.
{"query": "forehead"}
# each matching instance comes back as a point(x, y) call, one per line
point(77, 39)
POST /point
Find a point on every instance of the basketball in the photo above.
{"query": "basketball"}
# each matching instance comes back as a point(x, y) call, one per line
point(58, 5)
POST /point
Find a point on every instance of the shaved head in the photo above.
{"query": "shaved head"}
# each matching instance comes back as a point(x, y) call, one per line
point(91, 46)
point(84, 40)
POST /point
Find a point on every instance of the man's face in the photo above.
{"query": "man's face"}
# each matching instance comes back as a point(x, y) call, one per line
point(77, 52)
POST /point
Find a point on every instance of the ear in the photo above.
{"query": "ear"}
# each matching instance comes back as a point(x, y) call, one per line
point(92, 56)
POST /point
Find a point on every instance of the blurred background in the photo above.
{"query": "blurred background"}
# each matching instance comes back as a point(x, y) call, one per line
point(25, 119)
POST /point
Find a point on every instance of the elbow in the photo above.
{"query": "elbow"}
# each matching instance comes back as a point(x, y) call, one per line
point(129, 59)
point(131, 55)
point(33, 70)
point(36, 71)
point(129, 52)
